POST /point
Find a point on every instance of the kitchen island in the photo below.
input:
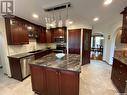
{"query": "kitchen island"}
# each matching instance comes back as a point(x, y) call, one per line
point(53, 76)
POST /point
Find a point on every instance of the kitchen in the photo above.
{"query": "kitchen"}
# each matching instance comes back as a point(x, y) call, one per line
point(35, 41)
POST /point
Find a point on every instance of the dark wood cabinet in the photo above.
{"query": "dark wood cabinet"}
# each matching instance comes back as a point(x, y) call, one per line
point(20, 67)
point(41, 35)
point(59, 32)
point(119, 75)
point(86, 46)
point(53, 33)
point(16, 31)
point(38, 79)
point(124, 27)
point(51, 81)
point(74, 41)
point(48, 36)
point(69, 80)
point(41, 54)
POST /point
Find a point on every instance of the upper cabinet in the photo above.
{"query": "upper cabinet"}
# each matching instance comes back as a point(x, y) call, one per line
point(19, 31)
point(16, 31)
point(41, 35)
point(124, 27)
point(54, 35)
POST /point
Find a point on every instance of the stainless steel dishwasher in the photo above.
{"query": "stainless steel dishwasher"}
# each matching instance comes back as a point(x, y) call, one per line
point(24, 62)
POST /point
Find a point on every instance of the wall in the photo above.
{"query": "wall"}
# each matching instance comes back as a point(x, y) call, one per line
point(0, 50)
point(4, 48)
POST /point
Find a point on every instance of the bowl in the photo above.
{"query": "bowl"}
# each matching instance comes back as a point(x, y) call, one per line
point(60, 55)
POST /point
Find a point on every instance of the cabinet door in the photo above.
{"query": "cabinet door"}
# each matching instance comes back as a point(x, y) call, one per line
point(52, 77)
point(69, 83)
point(48, 36)
point(18, 32)
point(24, 39)
point(38, 79)
point(74, 40)
point(41, 36)
point(15, 33)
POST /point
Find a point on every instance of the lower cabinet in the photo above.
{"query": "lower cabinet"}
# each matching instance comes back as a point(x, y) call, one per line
point(50, 81)
point(38, 80)
point(42, 53)
point(69, 83)
point(119, 75)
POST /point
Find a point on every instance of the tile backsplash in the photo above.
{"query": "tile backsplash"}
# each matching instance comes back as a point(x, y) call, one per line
point(120, 53)
point(33, 45)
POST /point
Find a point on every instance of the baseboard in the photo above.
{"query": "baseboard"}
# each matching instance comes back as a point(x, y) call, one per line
point(106, 62)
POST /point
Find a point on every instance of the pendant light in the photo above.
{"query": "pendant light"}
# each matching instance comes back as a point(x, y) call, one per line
point(60, 22)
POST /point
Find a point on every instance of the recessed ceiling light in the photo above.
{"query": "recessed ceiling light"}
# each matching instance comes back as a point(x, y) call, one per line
point(35, 16)
point(70, 22)
point(96, 19)
point(107, 2)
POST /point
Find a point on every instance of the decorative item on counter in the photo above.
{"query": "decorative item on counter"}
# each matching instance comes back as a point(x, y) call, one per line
point(60, 55)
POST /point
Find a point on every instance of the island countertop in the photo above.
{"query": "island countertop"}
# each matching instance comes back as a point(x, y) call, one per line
point(122, 59)
point(70, 62)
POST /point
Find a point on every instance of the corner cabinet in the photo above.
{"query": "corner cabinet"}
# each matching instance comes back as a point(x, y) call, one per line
point(124, 27)
point(16, 31)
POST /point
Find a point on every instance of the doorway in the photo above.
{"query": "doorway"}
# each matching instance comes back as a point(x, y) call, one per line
point(97, 46)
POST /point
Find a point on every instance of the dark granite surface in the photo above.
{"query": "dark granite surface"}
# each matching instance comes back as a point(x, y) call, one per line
point(69, 62)
point(22, 55)
point(122, 59)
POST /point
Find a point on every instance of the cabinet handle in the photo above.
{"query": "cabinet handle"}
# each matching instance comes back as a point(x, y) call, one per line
point(119, 79)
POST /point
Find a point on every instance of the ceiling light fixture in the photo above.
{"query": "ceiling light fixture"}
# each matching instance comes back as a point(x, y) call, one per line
point(70, 22)
point(107, 2)
point(29, 28)
point(96, 19)
point(35, 16)
point(55, 17)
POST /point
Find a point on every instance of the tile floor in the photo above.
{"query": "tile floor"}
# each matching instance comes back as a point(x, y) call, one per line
point(95, 80)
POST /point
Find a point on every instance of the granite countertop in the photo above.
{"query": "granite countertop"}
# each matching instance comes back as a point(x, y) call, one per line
point(69, 62)
point(22, 55)
point(122, 59)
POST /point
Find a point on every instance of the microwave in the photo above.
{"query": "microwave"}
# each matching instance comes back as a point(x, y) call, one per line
point(59, 40)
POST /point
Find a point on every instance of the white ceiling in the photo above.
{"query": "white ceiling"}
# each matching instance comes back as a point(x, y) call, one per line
point(82, 12)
